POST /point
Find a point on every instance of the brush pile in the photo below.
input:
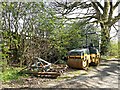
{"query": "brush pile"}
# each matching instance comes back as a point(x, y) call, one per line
point(43, 68)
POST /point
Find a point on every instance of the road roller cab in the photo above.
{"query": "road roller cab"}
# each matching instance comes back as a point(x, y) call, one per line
point(94, 56)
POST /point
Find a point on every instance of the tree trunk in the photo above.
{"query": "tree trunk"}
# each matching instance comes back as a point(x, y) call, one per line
point(105, 39)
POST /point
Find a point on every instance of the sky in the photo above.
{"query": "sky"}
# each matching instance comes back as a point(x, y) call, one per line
point(115, 13)
point(112, 33)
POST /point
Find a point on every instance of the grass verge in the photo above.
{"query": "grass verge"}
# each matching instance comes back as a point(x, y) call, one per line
point(11, 73)
point(108, 57)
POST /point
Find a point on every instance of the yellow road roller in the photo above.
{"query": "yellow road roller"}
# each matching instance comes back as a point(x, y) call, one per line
point(81, 58)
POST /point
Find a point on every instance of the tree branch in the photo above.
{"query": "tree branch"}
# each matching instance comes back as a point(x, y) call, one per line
point(99, 4)
point(85, 17)
point(111, 11)
point(115, 19)
point(117, 3)
point(106, 9)
point(71, 6)
point(95, 7)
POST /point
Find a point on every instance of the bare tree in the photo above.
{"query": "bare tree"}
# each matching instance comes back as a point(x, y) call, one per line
point(94, 12)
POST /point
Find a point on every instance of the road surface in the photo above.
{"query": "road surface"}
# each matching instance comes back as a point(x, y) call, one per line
point(106, 75)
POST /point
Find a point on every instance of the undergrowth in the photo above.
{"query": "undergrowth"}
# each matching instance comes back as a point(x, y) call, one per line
point(11, 73)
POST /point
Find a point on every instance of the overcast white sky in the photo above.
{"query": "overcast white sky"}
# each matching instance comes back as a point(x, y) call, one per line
point(112, 33)
point(115, 13)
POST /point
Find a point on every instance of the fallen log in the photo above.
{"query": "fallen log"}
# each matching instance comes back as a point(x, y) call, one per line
point(44, 73)
point(49, 73)
point(43, 61)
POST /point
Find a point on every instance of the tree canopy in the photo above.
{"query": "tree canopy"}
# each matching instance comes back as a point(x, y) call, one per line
point(35, 29)
point(94, 11)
